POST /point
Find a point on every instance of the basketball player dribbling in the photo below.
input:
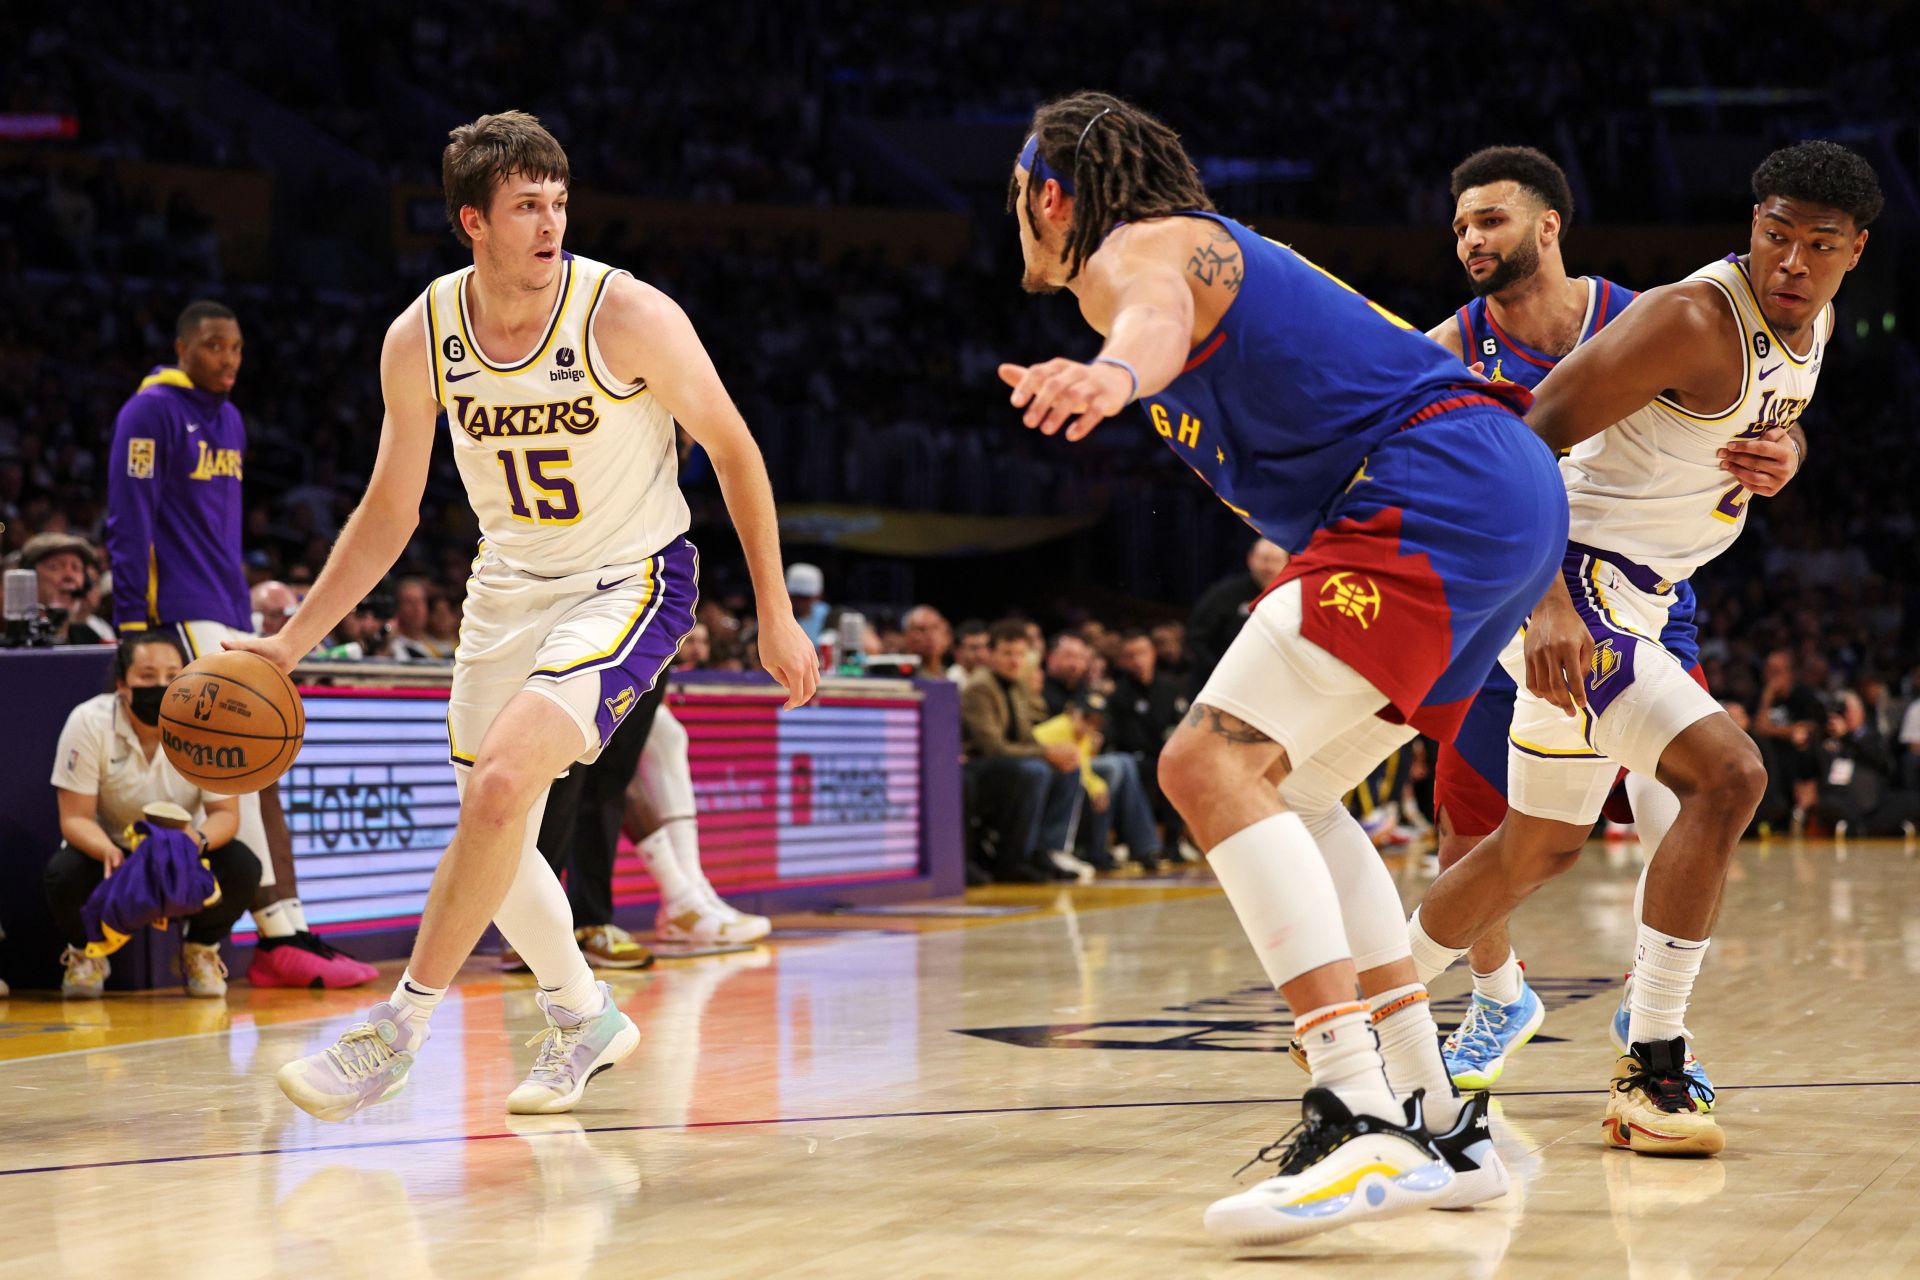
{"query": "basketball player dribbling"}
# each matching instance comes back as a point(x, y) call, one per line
point(1697, 385)
point(561, 380)
point(1343, 434)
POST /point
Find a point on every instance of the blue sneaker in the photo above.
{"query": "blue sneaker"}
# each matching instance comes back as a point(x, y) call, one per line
point(1696, 1074)
point(1477, 1051)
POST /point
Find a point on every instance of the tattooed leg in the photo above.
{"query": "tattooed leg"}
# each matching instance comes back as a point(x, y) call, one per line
point(1221, 773)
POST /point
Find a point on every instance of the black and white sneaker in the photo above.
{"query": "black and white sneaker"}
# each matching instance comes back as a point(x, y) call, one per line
point(1467, 1147)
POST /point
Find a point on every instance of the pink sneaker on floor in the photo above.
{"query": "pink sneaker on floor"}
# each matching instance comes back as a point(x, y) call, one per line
point(292, 963)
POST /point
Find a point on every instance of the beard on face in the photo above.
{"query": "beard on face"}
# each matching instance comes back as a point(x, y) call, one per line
point(1033, 282)
point(1509, 271)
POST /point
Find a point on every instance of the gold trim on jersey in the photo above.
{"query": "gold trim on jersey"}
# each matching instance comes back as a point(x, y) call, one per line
point(553, 326)
point(1746, 360)
point(1759, 311)
point(433, 347)
point(593, 309)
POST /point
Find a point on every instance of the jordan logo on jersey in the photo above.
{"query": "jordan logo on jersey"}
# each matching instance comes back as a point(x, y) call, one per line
point(482, 421)
point(1352, 596)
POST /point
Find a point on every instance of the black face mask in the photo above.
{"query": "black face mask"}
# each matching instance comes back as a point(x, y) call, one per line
point(146, 702)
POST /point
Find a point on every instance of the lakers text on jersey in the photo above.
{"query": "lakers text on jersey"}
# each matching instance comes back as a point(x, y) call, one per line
point(566, 468)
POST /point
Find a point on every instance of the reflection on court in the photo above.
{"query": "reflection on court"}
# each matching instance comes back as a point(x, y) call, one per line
point(815, 1108)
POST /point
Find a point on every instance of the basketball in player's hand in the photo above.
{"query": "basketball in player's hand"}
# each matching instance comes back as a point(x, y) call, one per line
point(232, 723)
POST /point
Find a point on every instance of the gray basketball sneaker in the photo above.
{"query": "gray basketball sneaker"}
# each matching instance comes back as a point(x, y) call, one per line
point(574, 1049)
point(366, 1065)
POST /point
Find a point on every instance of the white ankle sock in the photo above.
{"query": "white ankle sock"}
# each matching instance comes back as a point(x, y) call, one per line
point(296, 913)
point(1664, 968)
point(1502, 986)
point(415, 998)
point(1410, 1047)
point(274, 920)
point(1430, 959)
point(1344, 1054)
point(663, 862)
point(580, 994)
point(684, 835)
point(1284, 896)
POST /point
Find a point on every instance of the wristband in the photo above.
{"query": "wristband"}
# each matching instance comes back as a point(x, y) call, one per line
point(1118, 363)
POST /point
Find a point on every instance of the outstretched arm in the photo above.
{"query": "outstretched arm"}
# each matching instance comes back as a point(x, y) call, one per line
point(1136, 286)
point(1672, 341)
point(386, 517)
point(646, 335)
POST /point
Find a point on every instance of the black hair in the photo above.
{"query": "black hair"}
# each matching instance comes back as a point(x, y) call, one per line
point(1060, 637)
point(1125, 165)
point(971, 627)
point(1822, 173)
point(195, 312)
point(1008, 629)
point(123, 657)
point(1530, 167)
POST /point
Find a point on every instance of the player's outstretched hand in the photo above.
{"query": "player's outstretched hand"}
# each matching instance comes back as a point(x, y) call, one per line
point(789, 658)
point(1057, 390)
point(1763, 464)
point(1559, 653)
point(273, 648)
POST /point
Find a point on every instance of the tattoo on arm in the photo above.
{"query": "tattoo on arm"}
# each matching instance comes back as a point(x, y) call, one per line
point(1219, 723)
point(1218, 260)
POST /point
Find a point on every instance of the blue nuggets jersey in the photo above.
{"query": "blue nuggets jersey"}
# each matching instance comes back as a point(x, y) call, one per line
point(1299, 382)
point(1509, 360)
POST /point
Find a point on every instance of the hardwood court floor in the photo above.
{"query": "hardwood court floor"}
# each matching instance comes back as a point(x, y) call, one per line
point(1055, 1094)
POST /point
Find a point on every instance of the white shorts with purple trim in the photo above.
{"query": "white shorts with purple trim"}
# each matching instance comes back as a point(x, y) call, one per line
point(592, 642)
point(1639, 696)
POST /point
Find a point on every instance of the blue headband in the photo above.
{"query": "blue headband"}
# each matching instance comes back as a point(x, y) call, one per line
point(1036, 164)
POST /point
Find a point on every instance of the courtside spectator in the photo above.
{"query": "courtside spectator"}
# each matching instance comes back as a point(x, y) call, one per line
point(107, 769)
point(926, 633)
point(1022, 791)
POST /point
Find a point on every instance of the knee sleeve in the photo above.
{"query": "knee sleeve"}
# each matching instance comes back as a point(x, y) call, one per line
point(666, 777)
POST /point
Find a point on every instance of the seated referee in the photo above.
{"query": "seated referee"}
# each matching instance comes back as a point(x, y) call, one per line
point(108, 768)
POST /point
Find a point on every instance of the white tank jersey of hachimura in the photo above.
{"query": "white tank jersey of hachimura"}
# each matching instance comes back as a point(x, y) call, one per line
point(1650, 488)
point(567, 469)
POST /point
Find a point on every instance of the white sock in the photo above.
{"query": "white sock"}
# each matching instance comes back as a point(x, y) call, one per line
point(415, 998)
point(683, 834)
point(1502, 986)
point(295, 913)
point(537, 922)
point(1430, 959)
point(1664, 968)
point(1410, 1047)
point(1284, 896)
point(579, 994)
point(1344, 1054)
point(274, 921)
point(663, 863)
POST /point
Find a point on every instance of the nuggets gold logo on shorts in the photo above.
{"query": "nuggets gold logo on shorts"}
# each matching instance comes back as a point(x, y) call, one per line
point(1352, 596)
point(140, 458)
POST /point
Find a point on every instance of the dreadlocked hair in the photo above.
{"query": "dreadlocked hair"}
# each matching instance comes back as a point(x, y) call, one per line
point(1125, 167)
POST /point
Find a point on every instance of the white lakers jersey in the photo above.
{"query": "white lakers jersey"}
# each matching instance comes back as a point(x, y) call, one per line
point(1651, 487)
point(567, 469)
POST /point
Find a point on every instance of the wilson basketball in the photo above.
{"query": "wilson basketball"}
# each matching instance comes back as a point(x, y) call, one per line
point(232, 723)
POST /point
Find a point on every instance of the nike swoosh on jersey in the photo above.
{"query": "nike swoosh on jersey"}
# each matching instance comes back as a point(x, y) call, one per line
point(455, 377)
point(1767, 373)
point(608, 586)
point(193, 426)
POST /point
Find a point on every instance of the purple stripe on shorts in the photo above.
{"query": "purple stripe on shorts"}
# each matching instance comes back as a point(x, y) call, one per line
point(656, 637)
point(1613, 649)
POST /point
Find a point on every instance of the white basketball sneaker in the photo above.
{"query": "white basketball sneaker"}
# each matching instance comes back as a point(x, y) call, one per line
point(574, 1049)
point(1335, 1168)
point(367, 1065)
point(704, 920)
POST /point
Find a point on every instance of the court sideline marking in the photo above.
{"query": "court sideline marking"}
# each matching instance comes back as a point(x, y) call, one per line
point(449, 1139)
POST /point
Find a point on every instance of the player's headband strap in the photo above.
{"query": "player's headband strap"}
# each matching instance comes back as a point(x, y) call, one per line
point(1036, 164)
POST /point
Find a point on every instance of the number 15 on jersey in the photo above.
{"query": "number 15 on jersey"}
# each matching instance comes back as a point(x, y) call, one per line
point(555, 501)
